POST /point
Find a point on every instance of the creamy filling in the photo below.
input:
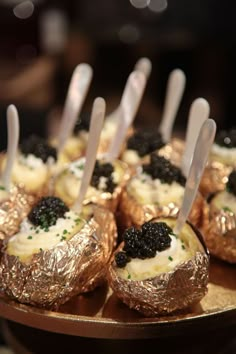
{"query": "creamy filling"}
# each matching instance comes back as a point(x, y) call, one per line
point(223, 154)
point(226, 201)
point(182, 248)
point(31, 171)
point(4, 194)
point(139, 269)
point(33, 239)
point(70, 180)
point(131, 157)
point(151, 191)
point(109, 129)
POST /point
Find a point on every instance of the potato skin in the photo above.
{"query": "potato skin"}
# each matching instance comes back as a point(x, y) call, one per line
point(53, 276)
point(167, 292)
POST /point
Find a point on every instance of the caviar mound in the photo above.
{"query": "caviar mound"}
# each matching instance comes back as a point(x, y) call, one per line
point(46, 212)
point(144, 243)
point(103, 170)
point(163, 169)
point(145, 142)
point(231, 184)
point(39, 147)
point(226, 139)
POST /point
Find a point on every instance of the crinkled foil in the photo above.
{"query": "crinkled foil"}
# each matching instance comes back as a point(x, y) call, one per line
point(54, 276)
point(13, 210)
point(133, 213)
point(185, 285)
point(214, 178)
point(220, 235)
point(173, 151)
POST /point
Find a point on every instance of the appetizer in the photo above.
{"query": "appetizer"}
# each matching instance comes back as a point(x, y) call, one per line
point(222, 161)
point(220, 235)
point(34, 165)
point(57, 253)
point(105, 186)
point(157, 190)
point(157, 272)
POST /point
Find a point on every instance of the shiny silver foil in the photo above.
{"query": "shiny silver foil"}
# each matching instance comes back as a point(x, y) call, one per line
point(13, 210)
point(53, 276)
point(185, 285)
point(220, 235)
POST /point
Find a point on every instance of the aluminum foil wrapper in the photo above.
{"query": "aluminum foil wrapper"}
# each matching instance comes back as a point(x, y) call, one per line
point(220, 235)
point(52, 277)
point(13, 210)
point(173, 151)
point(185, 285)
point(133, 213)
point(214, 178)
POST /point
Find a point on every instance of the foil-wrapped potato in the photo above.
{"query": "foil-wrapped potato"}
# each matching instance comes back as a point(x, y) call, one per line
point(106, 184)
point(14, 206)
point(158, 191)
point(222, 161)
point(57, 253)
point(157, 272)
point(220, 234)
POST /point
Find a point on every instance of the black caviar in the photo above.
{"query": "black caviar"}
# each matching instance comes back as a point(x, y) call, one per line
point(145, 142)
point(231, 184)
point(226, 138)
point(161, 168)
point(46, 212)
point(39, 147)
point(82, 124)
point(144, 243)
point(103, 170)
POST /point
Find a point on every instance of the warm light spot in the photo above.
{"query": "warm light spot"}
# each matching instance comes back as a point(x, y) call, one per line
point(24, 10)
point(140, 4)
point(129, 33)
point(158, 5)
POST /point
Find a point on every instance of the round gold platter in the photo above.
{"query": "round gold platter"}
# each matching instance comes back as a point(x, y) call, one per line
point(100, 314)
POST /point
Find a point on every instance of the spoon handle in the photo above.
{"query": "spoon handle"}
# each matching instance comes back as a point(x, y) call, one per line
point(145, 66)
point(13, 130)
point(130, 101)
point(78, 88)
point(201, 152)
point(97, 117)
point(199, 112)
point(174, 93)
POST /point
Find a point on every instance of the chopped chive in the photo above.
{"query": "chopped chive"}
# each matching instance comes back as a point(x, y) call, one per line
point(183, 247)
point(29, 237)
point(63, 238)
point(129, 276)
point(170, 258)
point(65, 232)
point(41, 250)
point(2, 188)
point(227, 209)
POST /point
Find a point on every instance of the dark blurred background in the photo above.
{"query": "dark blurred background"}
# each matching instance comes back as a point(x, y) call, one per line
point(42, 41)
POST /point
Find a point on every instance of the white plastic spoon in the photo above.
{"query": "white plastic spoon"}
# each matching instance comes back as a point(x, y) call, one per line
point(96, 122)
point(129, 105)
point(199, 112)
point(175, 89)
point(143, 65)
point(77, 92)
point(200, 156)
point(13, 130)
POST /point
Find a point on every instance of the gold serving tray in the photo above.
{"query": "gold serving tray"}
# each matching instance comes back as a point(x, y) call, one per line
point(100, 314)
